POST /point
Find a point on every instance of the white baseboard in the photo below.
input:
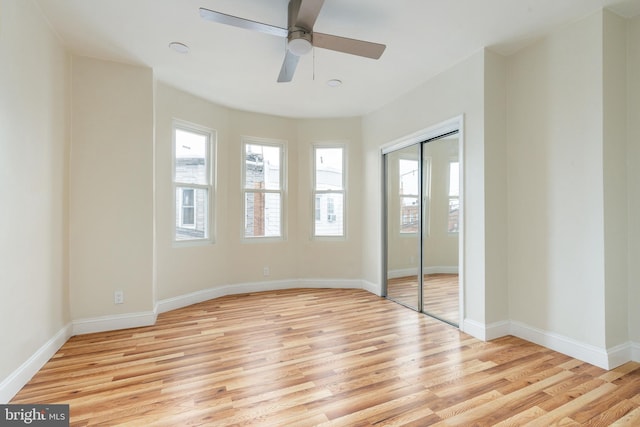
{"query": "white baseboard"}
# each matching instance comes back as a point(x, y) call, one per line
point(402, 272)
point(112, 323)
point(603, 358)
point(14, 382)
point(486, 332)
point(174, 303)
point(619, 355)
point(440, 269)
point(372, 287)
point(473, 328)
point(588, 353)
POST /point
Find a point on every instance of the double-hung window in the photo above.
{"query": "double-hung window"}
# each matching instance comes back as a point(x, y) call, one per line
point(264, 188)
point(193, 148)
point(329, 191)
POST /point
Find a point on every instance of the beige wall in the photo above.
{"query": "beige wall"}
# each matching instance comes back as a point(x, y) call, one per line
point(556, 235)
point(568, 199)
point(615, 178)
point(111, 188)
point(496, 181)
point(184, 270)
point(247, 259)
point(231, 260)
point(328, 258)
point(633, 138)
point(34, 116)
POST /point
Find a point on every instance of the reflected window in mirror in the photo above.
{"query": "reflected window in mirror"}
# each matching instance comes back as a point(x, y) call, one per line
point(454, 196)
point(409, 181)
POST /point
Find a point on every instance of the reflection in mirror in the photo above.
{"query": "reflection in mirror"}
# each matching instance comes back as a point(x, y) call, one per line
point(422, 227)
point(403, 225)
point(440, 229)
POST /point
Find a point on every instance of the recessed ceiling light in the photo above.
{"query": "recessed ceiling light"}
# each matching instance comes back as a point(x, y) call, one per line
point(334, 82)
point(179, 47)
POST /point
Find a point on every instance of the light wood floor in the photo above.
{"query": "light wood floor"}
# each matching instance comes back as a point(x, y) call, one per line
point(323, 357)
point(441, 294)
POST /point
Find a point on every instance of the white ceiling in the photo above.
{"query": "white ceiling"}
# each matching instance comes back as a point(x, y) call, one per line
point(238, 68)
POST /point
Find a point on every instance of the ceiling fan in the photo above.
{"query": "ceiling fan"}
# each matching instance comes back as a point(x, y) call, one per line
point(300, 35)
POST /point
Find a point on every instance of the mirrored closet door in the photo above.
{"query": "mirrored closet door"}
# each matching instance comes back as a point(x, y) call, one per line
point(403, 226)
point(422, 226)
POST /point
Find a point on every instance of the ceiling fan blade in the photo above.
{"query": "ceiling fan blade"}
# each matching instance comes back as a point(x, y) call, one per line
point(346, 45)
point(288, 67)
point(223, 18)
point(308, 13)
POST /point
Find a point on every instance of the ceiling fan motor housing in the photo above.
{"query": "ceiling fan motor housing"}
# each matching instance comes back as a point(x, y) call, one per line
point(299, 41)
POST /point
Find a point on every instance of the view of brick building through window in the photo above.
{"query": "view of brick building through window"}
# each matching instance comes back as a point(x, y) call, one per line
point(263, 188)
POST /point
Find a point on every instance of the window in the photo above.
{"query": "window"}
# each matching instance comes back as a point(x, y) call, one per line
point(409, 180)
point(188, 218)
point(331, 210)
point(454, 196)
point(317, 208)
point(263, 186)
point(192, 181)
point(329, 191)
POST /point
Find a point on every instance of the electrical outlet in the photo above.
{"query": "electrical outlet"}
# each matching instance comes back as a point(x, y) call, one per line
point(118, 297)
point(265, 271)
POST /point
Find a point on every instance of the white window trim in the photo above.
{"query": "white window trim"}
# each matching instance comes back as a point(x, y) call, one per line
point(210, 160)
point(253, 140)
point(314, 192)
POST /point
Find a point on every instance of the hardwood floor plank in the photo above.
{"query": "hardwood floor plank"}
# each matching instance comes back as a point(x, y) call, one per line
point(609, 415)
point(574, 405)
point(522, 418)
point(333, 357)
point(579, 388)
point(619, 372)
point(630, 419)
point(493, 408)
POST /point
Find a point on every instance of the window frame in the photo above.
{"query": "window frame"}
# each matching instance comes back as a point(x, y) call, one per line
point(209, 187)
point(316, 194)
point(282, 191)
